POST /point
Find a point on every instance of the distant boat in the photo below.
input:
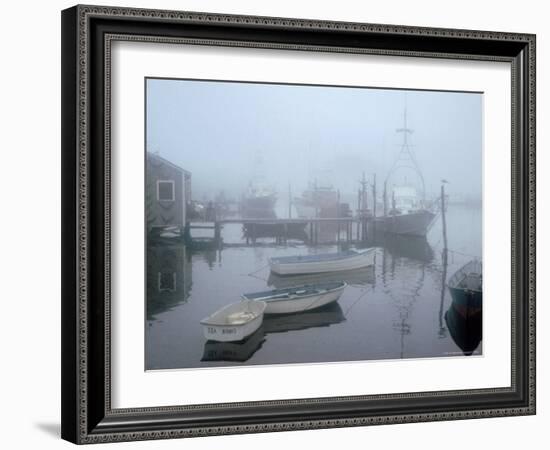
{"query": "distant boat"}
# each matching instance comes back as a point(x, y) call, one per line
point(259, 201)
point(409, 213)
point(327, 262)
point(260, 197)
point(317, 201)
point(466, 285)
point(234, 322)
point(298, 298)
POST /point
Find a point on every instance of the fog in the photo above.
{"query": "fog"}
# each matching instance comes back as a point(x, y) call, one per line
point(219, 130)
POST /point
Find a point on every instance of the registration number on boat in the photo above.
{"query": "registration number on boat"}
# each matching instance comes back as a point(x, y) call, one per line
point(212, 330)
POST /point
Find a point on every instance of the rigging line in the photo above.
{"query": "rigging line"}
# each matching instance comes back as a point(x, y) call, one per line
point(251, 274)
point(257, 277)
point(355, 302)
point(463, 254)
point(456, 252)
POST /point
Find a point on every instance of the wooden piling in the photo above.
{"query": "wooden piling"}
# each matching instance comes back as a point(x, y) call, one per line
point(443, 218)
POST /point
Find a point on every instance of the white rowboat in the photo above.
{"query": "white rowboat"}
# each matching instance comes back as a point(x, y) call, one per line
point(298, 298)
point(234, 322)
point(327, 262)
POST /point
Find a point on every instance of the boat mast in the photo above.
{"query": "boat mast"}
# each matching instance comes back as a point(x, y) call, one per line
point(406, 158)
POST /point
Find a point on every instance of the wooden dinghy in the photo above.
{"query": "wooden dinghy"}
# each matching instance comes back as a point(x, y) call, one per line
point(234, 322)
point(321, 263)
point(298, 298)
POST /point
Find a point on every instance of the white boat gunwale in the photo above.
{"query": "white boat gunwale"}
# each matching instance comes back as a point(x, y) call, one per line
point(328, 262)
point(275, 296)
point(474, 267)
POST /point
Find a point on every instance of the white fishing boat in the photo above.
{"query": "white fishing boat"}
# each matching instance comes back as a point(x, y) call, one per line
point(326, 262)
point(234, 322)
point(298, 298)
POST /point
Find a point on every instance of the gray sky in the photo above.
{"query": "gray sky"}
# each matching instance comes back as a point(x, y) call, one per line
point(215, 129)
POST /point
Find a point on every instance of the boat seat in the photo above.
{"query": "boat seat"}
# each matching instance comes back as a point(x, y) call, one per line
point(239, 318)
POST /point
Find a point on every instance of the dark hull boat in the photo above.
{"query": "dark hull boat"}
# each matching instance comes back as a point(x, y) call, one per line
point(464, 317)
point(466, 285)
point(415, 223)
point(465, 327)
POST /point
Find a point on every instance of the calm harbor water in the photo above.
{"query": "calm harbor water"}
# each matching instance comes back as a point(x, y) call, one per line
point(400, 308)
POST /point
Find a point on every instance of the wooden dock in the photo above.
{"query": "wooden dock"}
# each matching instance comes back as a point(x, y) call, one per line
point(306, 229)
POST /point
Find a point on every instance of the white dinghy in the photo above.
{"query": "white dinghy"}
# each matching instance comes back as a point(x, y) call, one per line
point(298, 298)
point(234, 322)
point(326, 262)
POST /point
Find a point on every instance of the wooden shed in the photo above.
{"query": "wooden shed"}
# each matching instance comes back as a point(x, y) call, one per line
point(168, 193)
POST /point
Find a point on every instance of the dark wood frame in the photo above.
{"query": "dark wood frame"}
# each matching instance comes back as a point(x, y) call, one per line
point(87, 32)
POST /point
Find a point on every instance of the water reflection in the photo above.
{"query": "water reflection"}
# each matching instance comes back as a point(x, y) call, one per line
point(322, 317)
point(276, 323)
point(413, 247)
point(169, 278)
point(234, 351)
point(400, 308)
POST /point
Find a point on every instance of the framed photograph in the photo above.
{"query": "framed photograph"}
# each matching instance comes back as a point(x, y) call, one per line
point(277, 224)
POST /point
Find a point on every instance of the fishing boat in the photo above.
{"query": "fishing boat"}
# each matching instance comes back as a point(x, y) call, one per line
point(410, 214)
point(298, 298)
point(259, 201)
point(325, 262)
point(466, 285)
point(234, 322)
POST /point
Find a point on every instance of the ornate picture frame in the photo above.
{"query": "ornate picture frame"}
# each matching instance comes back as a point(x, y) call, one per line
point(88, 415)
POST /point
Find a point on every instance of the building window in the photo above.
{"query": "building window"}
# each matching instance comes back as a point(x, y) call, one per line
point(166, 191)
point(167, 281)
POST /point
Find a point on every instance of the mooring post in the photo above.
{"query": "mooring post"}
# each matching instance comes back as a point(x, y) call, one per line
point(286, 232)
point(443, 218)
point(289, 201)
point(385, 198)
point(217, 231)
point(338, 211)
point(374, 205)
